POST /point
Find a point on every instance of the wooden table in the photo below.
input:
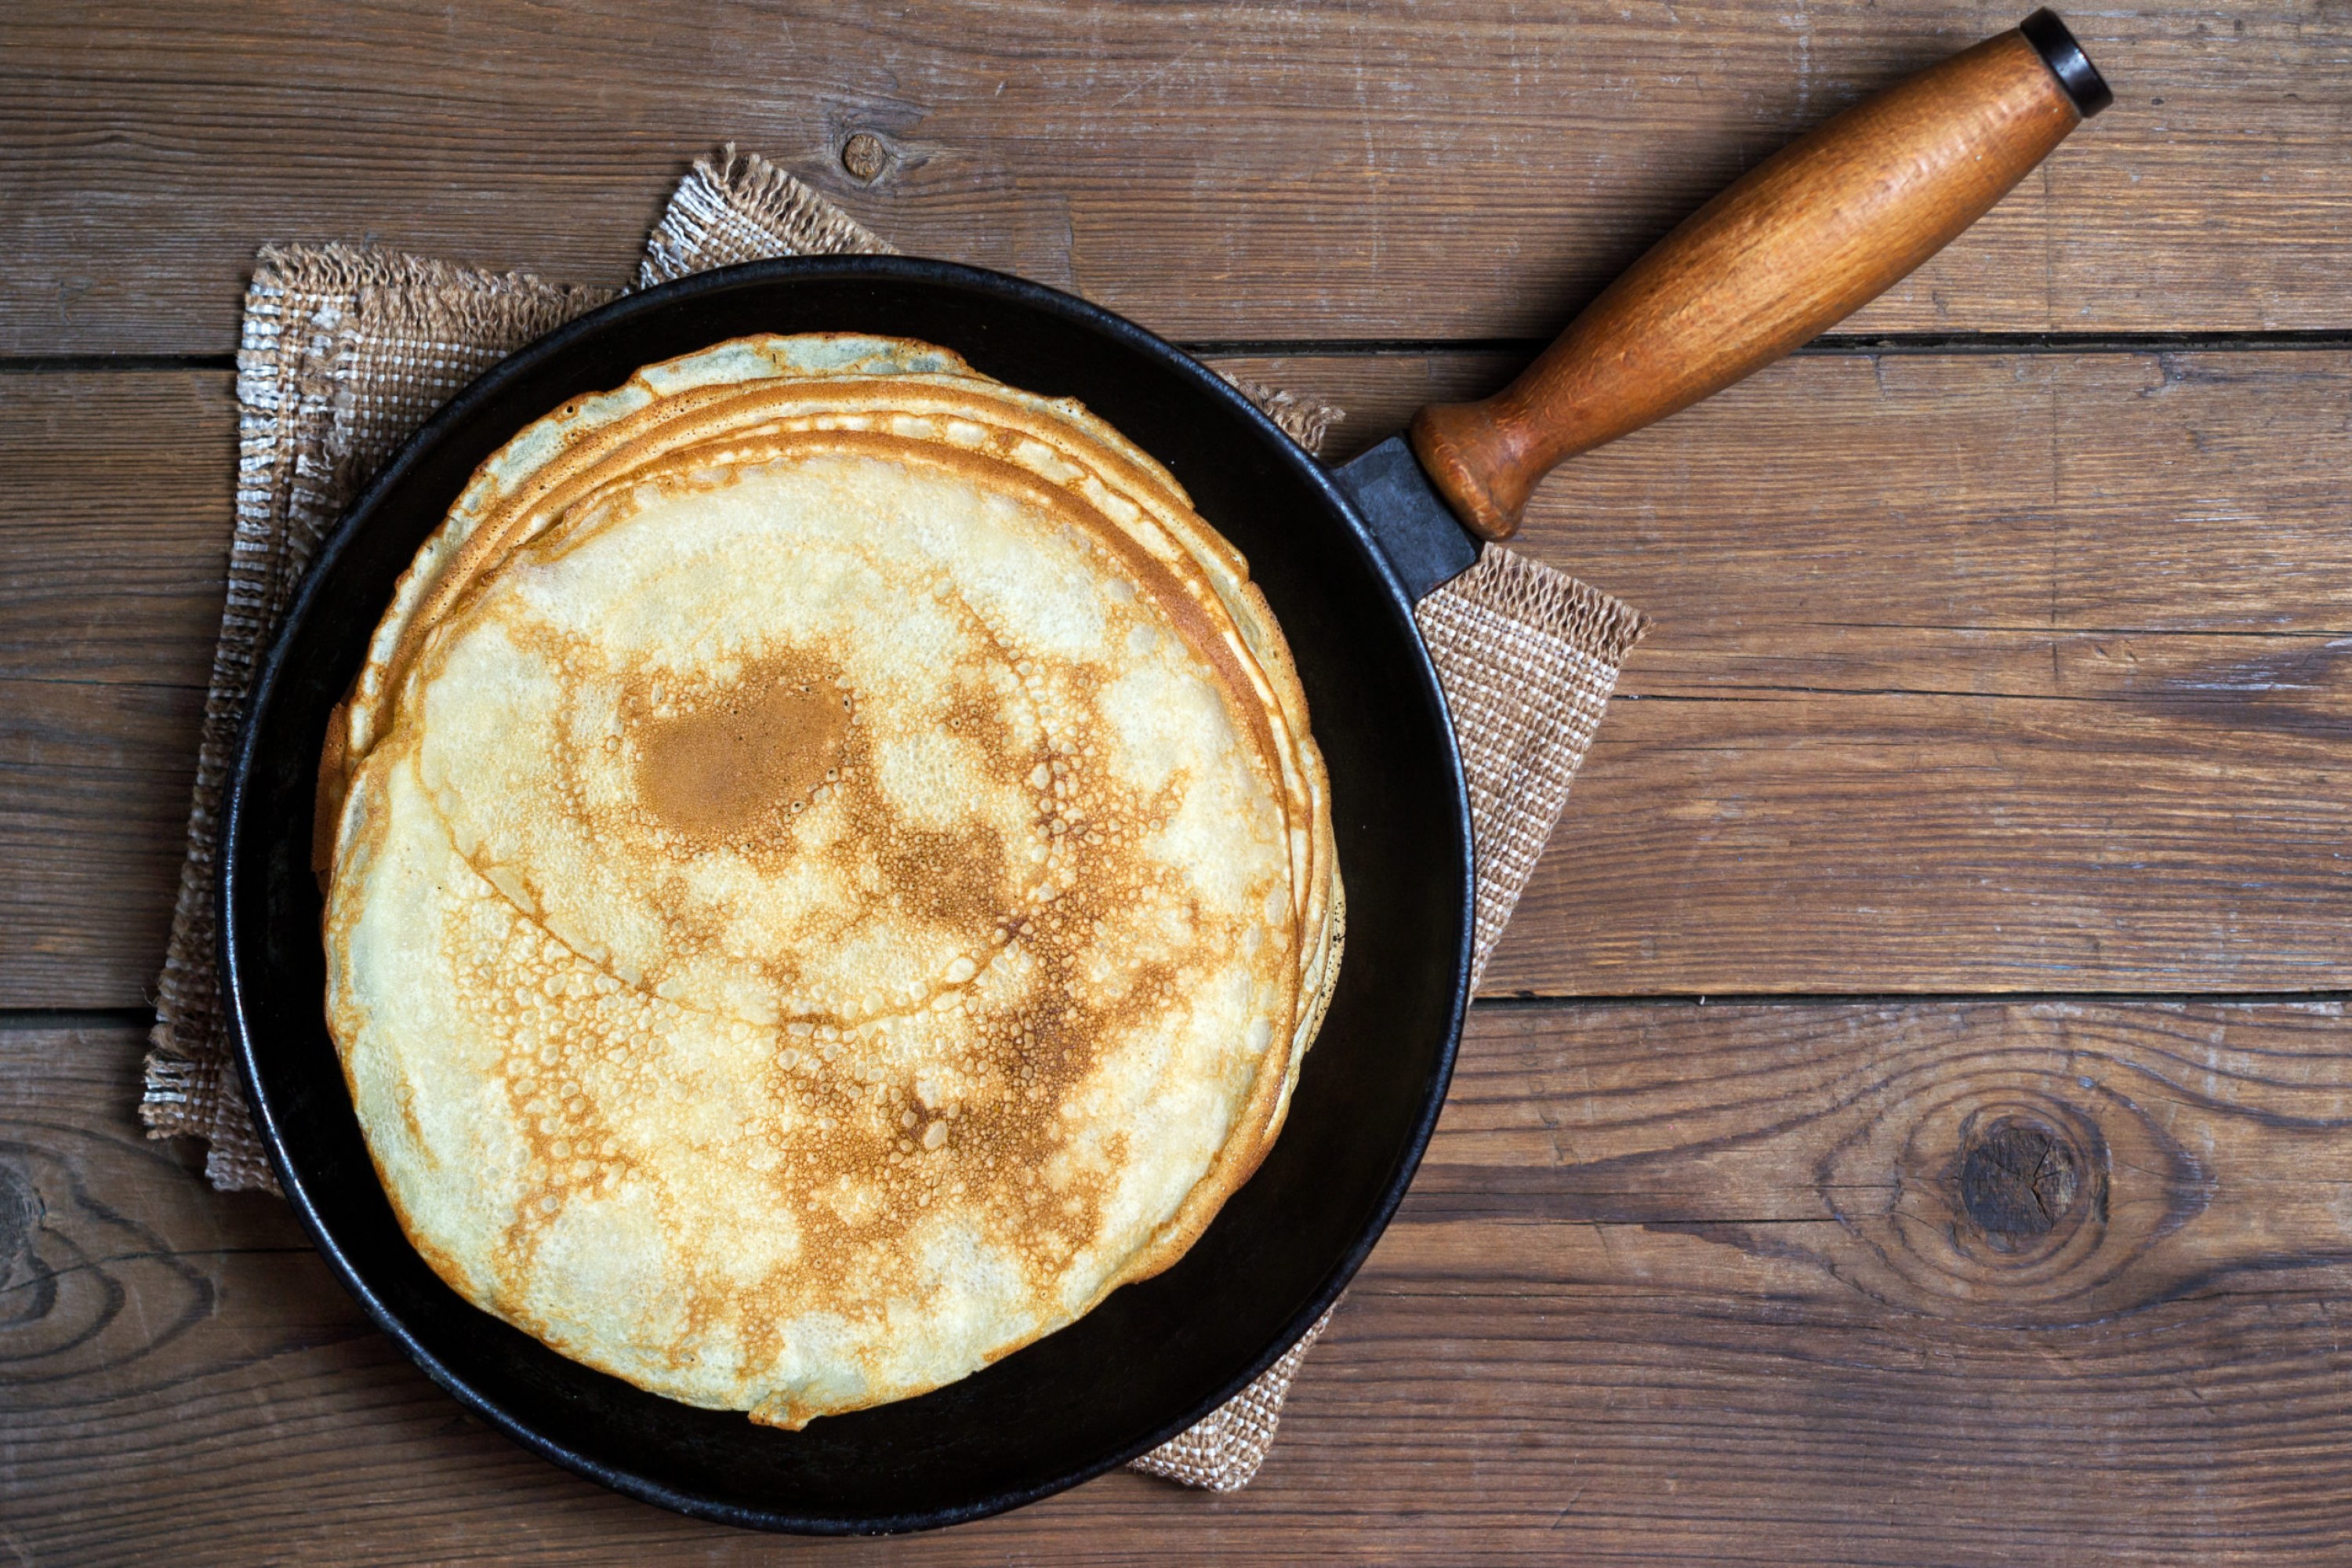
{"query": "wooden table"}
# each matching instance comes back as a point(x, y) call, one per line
point(1907, 1121)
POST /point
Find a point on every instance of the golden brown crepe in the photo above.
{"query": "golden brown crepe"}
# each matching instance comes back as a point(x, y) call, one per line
point(830, 876)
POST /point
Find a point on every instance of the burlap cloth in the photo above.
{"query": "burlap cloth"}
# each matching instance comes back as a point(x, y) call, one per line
point(347, 351)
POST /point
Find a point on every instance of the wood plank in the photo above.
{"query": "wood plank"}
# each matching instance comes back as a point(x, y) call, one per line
point(94, 791)
point(1678, 1284)
point(1217, 170)
point(1971, 672)
point(115, 495)
point(114, 523)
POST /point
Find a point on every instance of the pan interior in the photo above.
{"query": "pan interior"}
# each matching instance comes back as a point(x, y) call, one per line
point(1152, 1356)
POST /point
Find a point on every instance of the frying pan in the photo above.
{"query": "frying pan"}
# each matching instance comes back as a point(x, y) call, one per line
point(1341, 556)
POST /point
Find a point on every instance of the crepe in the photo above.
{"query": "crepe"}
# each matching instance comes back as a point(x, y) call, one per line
point(829, 876)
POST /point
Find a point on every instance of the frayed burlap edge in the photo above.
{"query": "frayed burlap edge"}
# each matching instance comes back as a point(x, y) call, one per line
point(741, 207)
point(1305, 420)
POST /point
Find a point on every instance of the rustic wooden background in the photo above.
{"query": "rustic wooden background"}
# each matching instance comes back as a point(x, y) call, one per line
point(1907, 1122)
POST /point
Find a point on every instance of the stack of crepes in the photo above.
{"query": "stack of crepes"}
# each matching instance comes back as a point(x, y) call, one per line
point(828, 875)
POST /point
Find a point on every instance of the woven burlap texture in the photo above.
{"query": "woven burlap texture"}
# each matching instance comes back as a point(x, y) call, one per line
point(346, 351)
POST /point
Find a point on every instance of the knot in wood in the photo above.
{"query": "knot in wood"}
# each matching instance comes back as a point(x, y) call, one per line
point(20, 1216)
point(2017, 1180)
point(864, 156)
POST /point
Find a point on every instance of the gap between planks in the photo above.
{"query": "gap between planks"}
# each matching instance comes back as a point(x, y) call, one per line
point(1853, 344)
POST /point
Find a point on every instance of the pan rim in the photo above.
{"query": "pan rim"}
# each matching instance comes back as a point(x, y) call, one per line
point(461, 411)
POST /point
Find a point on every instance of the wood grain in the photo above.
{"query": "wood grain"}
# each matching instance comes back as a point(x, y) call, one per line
point(1678, 1284)
point(94, 791)
point(1971, 672)
point(1218, 171)
point(115, 495)
point(114, 523)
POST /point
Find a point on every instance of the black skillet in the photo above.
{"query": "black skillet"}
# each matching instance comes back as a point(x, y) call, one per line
point(1341, 557)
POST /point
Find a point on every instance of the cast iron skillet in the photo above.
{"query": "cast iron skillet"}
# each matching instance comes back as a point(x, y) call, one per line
point(1155, 1356)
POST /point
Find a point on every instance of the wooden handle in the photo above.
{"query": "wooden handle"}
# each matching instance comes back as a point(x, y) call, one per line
point(1806, 239)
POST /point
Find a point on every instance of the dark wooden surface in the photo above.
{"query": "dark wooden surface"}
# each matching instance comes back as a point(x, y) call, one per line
point(1907, 1121)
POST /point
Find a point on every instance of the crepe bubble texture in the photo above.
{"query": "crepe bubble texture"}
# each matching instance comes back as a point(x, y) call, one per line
point(830, 877)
